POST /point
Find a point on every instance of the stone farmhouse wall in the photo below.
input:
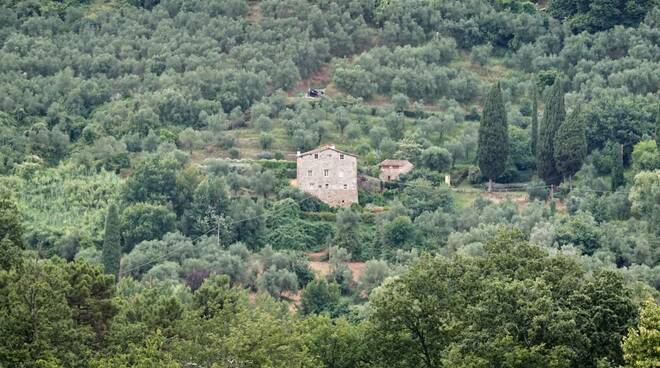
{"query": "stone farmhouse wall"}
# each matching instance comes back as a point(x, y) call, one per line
point(328, 174)
point(391, 172)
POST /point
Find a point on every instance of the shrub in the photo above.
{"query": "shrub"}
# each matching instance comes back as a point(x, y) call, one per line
point(537, 190)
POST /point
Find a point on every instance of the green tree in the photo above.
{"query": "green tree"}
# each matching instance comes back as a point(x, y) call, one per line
point(570, 145)
point(657, 132)
point(640, 347)
point(37, 321)
point(553, 117)
point(11, 233)
point(153, 179)
point(535, 119)
point(189, 139)
point(395, 124)
point(112, 242)
point(400, 102)
point(645, 156)
point(398, 233)
point(319, 296)
point(337, 342)
point(493, 136)
point(347, 234)
point(645, 198)
point(342, 119)
point(468, 311)
point(90, 297)
point(145, 221)
point(146, 354)
point(437, 158)
point(265, 140)
point(617, 167)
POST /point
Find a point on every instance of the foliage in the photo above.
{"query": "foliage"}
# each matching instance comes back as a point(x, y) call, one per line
point(144, 221)
point(553, 118)
point(645, 156)
point(319, 296)
point(640, 347)
point(534, 131)
point(67, 308)
point(493, 136)
point(11, 233)
point(137, 123)
point(644, 197)
point(599, 15)
point(570, 144)
point(617, 168)
point(474, 292)
point(437, 158)
point(112, 242)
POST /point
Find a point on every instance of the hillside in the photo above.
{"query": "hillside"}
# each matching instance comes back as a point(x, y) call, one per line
point(149, 217)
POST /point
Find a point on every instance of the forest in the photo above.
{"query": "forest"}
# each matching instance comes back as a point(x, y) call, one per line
point(148, 216)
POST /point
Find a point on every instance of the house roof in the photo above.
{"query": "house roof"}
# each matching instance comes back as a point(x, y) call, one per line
point(395, 163)
point(324, 148)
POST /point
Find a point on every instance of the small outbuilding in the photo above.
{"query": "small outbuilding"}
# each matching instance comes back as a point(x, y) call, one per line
point(390, 170)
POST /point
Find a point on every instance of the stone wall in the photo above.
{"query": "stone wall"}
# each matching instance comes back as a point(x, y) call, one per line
point(390, 173)
point(329, 175)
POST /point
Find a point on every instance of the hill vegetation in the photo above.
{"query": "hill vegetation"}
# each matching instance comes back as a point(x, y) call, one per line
point(147, 216)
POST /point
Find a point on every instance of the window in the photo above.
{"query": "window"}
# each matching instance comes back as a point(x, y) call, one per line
point(341, 156)
point(327, 186)
point(345, 186)
point(389, 177)
point(316, 155)
point(320, 186)
point(326, 172)
point(311, 185)
point(309, 172)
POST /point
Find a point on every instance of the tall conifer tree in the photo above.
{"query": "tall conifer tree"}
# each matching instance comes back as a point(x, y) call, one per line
point(657, 131)
point(112, 242)
point(553, 116)
point(493, 148)
point(535, 119)
point(617, 167)
point(571, 145)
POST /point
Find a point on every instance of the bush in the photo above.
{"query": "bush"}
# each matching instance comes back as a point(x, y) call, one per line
point(537, 190)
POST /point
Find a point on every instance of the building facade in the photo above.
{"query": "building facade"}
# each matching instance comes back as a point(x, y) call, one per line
point(329, 175)
point(390, 170)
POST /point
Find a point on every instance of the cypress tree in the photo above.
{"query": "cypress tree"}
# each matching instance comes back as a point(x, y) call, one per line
point(535, 119)
point(617, 167)
point(493, 147)
point(553, 116)
point(657, 131)
point(111, 242)
point(570, 145)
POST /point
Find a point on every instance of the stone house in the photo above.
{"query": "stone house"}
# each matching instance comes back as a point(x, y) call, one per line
point(329, 175)
point(390, 170)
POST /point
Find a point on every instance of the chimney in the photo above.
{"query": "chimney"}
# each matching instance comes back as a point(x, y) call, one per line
point(332, 146)
point(297, 153)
